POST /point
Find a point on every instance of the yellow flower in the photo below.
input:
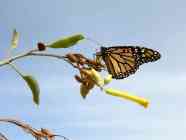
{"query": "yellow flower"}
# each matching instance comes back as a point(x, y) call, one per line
point(125, 95)
point(97, 78)
point(108, 79)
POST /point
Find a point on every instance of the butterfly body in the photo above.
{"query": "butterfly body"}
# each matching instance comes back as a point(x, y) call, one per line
point(122, 61)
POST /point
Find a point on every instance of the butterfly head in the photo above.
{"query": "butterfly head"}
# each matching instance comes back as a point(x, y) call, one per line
point(101, 52)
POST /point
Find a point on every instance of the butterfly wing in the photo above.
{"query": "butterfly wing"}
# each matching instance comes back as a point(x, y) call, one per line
point(148, 55)
point(120, 61)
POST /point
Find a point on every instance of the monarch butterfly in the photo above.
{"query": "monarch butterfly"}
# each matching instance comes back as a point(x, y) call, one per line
point(122, 61)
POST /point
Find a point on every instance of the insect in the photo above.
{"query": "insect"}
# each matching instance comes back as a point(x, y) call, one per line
point(123, 61)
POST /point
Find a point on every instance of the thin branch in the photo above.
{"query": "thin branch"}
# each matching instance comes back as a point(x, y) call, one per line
point(2, 137)
point(34, 52)
point(54, 56)
point(27, 128)
point(9, 60)
point(37, 134)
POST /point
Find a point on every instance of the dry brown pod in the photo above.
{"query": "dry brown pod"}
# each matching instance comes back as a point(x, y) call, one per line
point(72, 57)
point(78, 78)
point(41, 46)
point(90, 84)
point(84, 90)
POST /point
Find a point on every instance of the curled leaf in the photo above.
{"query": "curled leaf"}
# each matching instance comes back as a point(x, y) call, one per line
point(31, 82)
point(66, 42)
point(125, 95)
point(15, 39)
point(33, 85)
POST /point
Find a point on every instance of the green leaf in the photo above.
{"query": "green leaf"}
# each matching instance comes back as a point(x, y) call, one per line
point(31, 82)
point(66, 42)
point(125, 95)
point(33, 85)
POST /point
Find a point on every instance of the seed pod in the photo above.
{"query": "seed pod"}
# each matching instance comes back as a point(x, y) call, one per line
point(72, 57)
point(125, 95)
point(66, 42)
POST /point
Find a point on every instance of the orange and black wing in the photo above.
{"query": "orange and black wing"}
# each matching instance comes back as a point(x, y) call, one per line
point(120, 61)
point(148, 55)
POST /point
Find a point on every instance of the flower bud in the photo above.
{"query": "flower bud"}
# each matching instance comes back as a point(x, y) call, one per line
point(108, 79)
point(15, 39)
point(41, 46)
point(97, 78)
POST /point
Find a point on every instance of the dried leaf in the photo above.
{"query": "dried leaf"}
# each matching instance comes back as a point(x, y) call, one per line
point(33, 85)
point(27, 128)
point(72, 58)
point(84, 90)
point(90, 84)
point(78, 79)
point(37, 134)
point(66, 42)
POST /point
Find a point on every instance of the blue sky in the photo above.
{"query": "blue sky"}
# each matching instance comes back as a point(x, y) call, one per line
point(155, 24)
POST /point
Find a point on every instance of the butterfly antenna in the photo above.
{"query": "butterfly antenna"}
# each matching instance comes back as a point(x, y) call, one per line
point(93, 41)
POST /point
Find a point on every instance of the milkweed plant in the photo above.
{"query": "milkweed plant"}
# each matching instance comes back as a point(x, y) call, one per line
point(88, 77)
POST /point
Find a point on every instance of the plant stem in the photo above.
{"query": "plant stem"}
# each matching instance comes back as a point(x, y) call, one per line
point(34, 52)
point(16, 69)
